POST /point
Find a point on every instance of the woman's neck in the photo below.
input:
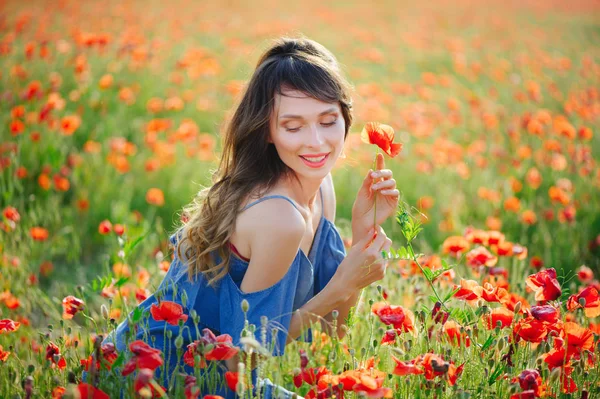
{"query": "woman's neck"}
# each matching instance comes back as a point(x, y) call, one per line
point(305, 195)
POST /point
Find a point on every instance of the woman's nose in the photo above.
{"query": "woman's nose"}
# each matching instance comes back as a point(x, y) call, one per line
point(316, 135)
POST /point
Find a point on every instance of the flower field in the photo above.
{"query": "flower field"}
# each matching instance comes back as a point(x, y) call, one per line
point(110, 123)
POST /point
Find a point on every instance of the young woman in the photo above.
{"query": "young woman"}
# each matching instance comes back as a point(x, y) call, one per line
point(264, 231)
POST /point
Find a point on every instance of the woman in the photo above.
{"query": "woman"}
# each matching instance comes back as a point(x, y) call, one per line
point(264, 231)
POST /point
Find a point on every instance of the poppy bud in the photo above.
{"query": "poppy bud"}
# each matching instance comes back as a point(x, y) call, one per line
point(582, 302)
point(518, 307)
point(179, 341)
point(245, 306)
point(335, 314)
point(104, 311)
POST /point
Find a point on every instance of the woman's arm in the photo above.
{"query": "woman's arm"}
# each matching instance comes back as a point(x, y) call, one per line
point(344, 307)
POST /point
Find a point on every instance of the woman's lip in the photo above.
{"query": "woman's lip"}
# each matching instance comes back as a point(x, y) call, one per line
point(315, 164)
point(314, 155)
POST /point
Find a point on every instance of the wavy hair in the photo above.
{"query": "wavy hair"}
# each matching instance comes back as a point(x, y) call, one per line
point(249, 162)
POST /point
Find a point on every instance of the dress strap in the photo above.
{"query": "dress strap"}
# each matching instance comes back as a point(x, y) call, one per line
point(285, 198)
point(269, 197)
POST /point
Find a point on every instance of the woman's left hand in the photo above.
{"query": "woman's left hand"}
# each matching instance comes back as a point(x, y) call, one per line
point(381, 182)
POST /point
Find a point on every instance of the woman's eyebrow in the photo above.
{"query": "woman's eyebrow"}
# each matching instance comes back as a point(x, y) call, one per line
point(289, 116)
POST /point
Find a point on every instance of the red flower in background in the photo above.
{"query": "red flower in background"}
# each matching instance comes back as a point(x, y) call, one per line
point(480, 256)
point(382, 136)
point(545, 285)
point(168, 311)
point(52, 353)
point(71, 305)
point(144, 357)
point(8, 325)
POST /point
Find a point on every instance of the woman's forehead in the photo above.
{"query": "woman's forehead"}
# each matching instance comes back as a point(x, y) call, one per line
point(294, 103)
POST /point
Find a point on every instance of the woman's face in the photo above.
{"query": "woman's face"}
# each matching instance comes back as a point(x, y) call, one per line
point(307, 133)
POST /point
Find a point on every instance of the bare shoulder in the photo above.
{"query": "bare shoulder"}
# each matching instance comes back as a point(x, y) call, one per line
point(329, 200)
point(273, 230)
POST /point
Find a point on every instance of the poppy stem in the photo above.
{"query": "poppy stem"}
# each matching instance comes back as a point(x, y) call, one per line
point(375, 196)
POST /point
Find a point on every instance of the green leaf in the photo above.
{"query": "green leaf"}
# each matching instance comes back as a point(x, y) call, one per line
point(121, 281)
point(130, 245)
point(118, 361)
point(451, 294)
point(137, 315)
point(488, 342)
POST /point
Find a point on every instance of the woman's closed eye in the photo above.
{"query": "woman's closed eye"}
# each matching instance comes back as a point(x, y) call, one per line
point(322, 124)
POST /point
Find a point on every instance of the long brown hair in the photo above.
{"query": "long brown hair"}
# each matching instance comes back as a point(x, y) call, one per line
point(249, 162)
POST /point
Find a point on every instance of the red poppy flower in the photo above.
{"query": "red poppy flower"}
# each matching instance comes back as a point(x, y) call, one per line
point(480, 256)
point(530, 330)
point(3, 354)
point(545, 313)
point(452, 329)
point(545, 285)
point(168, 311)
point(401, 319)
point(8, 325)
point(578, 338)
point(38, 233)
point(87, 391)
point(529, 394)
point(144, 357)
point(585, 274)
point(591, 298)
point(71, 305)
point(467, 290)
point(143, 380)
point(221, 348)
point(388, 337)
point(232, 379)
point(11, 213)
point(52, 352)
point(455, 245)
point(502, 315)
point(491, 294)
point(530, 379)
point(382, 136)
point(371, 388)
point(407, 368)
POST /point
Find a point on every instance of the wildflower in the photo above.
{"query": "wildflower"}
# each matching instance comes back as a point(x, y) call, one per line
point(71, 305)
point(545, 285)
point(155, 196)
point(168, 311)
point(53, 353)
point(144, 356)
point(382, 136)
point(401, 319)
point(588, 299)
point(502, 315)
point(39, 233)
point(8, 325)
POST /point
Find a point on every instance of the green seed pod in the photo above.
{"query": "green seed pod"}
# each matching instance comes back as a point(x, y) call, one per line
point(245, 306)
point(554, 375)
point(501, 344)
point(518, 307)
point(104, 311)
point(582, 302)
point(335, 313)
point(179, 341)
point(169, 334)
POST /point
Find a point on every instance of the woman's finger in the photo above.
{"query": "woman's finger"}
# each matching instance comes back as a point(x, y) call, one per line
point(386, 184)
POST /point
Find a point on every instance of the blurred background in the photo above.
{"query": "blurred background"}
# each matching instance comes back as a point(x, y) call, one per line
point(110, 118)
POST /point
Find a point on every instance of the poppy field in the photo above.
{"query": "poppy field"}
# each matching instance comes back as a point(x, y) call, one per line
point(110, 123)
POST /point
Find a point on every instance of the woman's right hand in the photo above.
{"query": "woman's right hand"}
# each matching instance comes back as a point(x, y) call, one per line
point(364, 263)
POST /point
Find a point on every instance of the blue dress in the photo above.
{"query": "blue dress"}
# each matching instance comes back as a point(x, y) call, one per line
point(219, 307)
